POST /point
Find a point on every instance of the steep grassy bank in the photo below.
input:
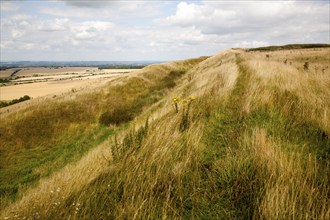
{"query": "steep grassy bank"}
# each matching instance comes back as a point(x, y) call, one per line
point(239, 135)
point(42, 139)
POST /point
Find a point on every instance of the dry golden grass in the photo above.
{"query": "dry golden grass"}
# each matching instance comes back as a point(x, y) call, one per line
point(311, 87)
point(254, 144)
point(42, 129)
point(291, 188)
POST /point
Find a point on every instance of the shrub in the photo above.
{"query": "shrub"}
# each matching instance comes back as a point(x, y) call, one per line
point(14, 101)
point(4, 80)
point(3, 104)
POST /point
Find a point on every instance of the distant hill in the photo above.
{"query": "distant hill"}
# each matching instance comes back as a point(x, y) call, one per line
point(238, 135)
point(290, 47)
point(103, 64)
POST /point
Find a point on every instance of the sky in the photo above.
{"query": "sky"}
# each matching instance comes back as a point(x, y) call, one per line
point(75, 30)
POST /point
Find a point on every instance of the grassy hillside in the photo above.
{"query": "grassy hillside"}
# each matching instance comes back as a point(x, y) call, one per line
point(242, 134)
point(290, 47)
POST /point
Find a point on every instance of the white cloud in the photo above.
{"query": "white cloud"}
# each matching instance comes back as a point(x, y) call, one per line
point(242, 17)
point(28, 46)
point(140, 30)
point(58, 24)
point(16, 33)
point(6, 44)
point(90, 30)
point(97, 25)
point(249, 44)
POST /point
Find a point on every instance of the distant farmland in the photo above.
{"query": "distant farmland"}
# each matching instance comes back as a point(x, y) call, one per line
point(41, 81)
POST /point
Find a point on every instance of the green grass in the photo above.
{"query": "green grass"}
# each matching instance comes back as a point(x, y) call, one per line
point(30, 165)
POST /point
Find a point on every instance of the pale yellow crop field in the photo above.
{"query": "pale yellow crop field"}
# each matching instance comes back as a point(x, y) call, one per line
point(38, 82)
point(45, 71)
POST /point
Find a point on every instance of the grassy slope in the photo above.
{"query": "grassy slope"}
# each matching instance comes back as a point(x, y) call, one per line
point(250, 139)
point(43, 138)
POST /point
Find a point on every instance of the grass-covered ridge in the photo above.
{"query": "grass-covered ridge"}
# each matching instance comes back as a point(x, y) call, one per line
point(290, 47)
point(39, 140)
point(235, 136)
